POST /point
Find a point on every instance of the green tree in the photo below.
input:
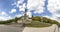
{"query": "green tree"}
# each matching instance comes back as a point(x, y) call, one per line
point(45, 19)
point(36, 18)
point(16, 19)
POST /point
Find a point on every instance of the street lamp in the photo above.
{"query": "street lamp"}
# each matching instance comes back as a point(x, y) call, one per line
point(24, 19)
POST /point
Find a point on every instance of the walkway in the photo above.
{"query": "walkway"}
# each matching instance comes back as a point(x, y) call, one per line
point(53, 28)
point(7, 28)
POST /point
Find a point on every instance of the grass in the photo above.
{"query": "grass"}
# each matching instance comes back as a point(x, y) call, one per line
point(37, 24)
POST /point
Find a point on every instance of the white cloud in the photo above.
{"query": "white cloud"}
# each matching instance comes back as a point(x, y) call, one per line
point(3, 13)
point(13, 10)
point(3, 18)
point(53, 17)
point(18, 3)
point(22, 8)
point(14, 3)
point(36, 5)
point(39, 10)
point(54, 8)
point(29, 14)
point(19, 15)
point(9, 17)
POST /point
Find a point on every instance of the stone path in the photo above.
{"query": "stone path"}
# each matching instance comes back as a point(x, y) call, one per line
point(7, 28)
point(53, 28)
point(17, 28)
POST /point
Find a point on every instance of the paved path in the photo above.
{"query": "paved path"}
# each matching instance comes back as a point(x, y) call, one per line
point(17, 28)
point(59, 29)
point(7, 28)
point(53, 28)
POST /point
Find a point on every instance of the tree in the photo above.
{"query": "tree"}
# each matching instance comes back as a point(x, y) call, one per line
point(45, 19)
point(36, 18)
point(15, 20)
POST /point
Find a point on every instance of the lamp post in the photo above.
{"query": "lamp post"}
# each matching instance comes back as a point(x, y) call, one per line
point(24, 19)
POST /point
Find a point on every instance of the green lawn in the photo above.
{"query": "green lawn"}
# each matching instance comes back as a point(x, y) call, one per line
point(37, 24)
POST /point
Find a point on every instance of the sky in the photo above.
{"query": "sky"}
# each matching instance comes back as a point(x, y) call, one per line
point(15, 8)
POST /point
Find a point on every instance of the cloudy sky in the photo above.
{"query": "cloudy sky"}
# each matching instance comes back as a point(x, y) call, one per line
point(15, 8)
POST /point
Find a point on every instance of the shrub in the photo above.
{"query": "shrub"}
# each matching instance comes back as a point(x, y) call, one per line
point(58, 24)
point(36, 18)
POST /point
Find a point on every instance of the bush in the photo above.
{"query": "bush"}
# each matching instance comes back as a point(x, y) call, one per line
point(47, 20)
point(37, 24)
point(5, 22)
point(58, 24)
point(36, 18)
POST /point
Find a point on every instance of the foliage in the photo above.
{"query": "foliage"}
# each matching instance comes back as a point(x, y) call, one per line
point(5, 22)
point(37, 24)
point(46, 20)
point(10, 21)
point(36, 18)
point(58, 24)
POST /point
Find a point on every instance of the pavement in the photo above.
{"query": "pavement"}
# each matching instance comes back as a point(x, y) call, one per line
point(9, 28)
point(53, 28)
point(19, 28)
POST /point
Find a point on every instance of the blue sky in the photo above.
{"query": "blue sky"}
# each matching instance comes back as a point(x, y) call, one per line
point(15, 8)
